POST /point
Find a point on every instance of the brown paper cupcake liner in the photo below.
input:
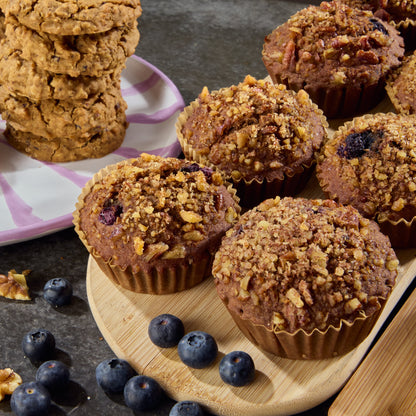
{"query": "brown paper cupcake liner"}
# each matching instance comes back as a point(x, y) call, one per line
point(159, 278)
point(316, 345)
point(252, 192)
point(407, 30)
point(340, 102)
point(402, 233)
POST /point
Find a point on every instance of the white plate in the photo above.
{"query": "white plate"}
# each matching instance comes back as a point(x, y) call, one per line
point(38, 198)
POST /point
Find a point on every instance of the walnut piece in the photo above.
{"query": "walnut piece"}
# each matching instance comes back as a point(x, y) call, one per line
point(9, 381)
point(14, 286)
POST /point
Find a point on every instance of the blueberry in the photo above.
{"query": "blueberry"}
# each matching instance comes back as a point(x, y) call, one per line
point(237, 368)
point(108, 215)
point(194, 167)
point(30, 399)
point(58, 291)
point(356, 144)
point(38, 345)
point(142, 393)
point(113, 374)
point(54, 375)
point(377, 25)
point(166, 330)
point(197, 349)
point(186, 408)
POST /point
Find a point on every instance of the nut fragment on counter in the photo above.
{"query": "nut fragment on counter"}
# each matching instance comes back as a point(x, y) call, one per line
point(9, 381)
point(14, 285)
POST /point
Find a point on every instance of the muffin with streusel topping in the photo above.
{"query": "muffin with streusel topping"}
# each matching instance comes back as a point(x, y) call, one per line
point(305, 278)
point(340, 55)
point(262, 136)
point(370, 163)
point(401, 86)
point(152, 224)
point(399, 13)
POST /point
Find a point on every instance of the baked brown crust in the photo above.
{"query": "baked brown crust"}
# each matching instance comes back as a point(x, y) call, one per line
point(380, 180)
point(337, 50)
point(82, 55)
point(25, 78)
point(70, 149)
point(292, 264)
point(254, 130)
point(72, 17)
point(51, 119)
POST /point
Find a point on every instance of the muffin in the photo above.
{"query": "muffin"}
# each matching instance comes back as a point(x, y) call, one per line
point(401, 86)
point(370, 164)
point(304, 278)
point(152, 224)
point(263, 137)
point(339, 55)
point(399, 13)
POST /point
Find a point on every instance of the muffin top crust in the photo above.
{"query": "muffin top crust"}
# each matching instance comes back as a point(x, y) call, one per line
point(333, 43)
point(255, 130)
point(293, 264)
point(154, 209)
point(370, 163)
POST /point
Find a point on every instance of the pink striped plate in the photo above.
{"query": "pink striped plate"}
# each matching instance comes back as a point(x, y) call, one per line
point(38, 198)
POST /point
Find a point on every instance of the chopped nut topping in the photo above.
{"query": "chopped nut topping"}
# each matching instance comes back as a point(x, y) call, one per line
point(14, 286)
point(9, 381)
point(279, 275)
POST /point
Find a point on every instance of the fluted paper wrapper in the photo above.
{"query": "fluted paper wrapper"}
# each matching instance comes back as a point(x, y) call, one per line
point(157, 278)
point(250, 192)
point(340, 102)
point(407, 29)
point(316, 345)
point(402, 233)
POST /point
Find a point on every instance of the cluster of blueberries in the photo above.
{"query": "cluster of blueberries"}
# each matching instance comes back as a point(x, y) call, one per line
point(196, 349)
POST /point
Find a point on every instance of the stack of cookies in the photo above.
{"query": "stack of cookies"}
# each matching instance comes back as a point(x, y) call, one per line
point(60, 71)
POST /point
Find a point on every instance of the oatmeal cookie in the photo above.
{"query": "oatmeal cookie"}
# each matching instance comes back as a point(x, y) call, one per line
point(72, 17)
point(25, 78)
point(92, 55)
point(62, 118)
point(69, 149)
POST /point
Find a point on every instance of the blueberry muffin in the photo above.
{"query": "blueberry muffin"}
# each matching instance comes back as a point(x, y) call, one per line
point(262, 136)
point(370, 164)
point(153, 224)
point(304, 278)
point(339, 55)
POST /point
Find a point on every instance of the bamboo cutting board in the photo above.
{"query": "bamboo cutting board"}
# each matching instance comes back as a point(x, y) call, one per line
point(281, 386)
point(385, 383)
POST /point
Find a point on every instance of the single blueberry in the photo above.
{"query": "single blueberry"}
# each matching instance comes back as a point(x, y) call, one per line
point(194, 167)
point(166, 330)
point(30, 399)
point(237, 368)
point(377, 25)
point(108, 215)
point(186, 408)
point(142, 393)
point(356, 144)
point(197, 349)
point(38, 345)
point(58, 291)
point(113, 374)
point(54, 375)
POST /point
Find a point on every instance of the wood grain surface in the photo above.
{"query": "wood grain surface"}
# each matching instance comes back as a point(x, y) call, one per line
point(281, 386)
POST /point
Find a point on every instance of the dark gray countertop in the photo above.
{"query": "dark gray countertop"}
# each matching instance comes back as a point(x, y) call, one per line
point(195, 43)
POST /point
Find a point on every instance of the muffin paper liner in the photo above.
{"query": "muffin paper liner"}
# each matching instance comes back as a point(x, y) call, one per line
point(316, 345)
point(340, 102)
point(407, 29)
point(158, 277)
point(402, 233)
point(252, 192)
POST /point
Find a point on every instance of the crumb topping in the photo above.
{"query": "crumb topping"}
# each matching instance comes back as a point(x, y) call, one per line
point(333, 43)
point(298, 263)
point(401, 86)
point(255, 129)
point(156, 208)
point(379, 178)
point(396, 10)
